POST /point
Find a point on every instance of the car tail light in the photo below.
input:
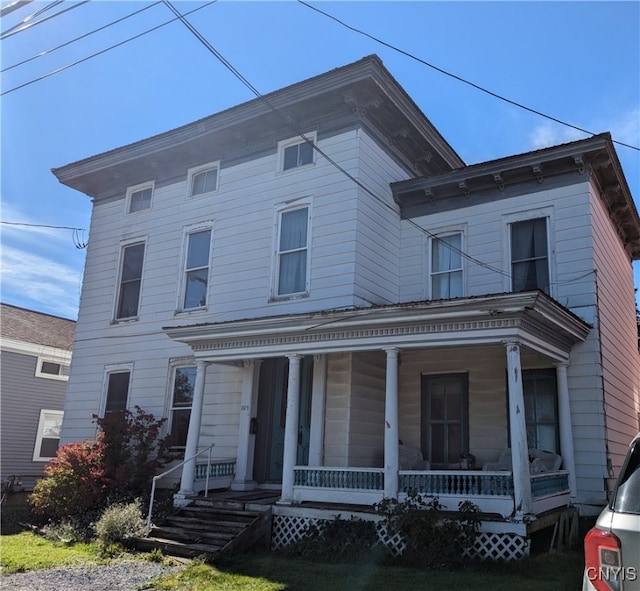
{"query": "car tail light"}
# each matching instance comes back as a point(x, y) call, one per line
point(603, 560)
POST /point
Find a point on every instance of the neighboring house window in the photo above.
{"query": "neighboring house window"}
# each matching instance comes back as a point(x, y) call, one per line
point(445, 412)
point(541, 409)
point(130, 281)
point(196, 279)
point(117, 390)
point(139, 197)
point(52, 369)
point(297, 152)
point(48, 435)
point(203, 179)
point(184, 382)
point(529, 255)
point(292, 252)
point(446, 267)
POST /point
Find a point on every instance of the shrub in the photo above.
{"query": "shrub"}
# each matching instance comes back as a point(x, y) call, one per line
point(120, 524)
point(67, 532)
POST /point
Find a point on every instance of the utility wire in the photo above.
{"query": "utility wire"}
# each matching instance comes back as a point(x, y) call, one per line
point(79, 240)
point(288, 121)
point(48, 51)
point(29, 25)
point(31, 16)
point(102, 51)
point(459, 78)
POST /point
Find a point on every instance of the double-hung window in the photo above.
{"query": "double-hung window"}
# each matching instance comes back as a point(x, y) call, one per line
point(297, 152)
point(292, 252)
point(529, 255)
point(203, 179)
point(48, 435)
point(184, 382)
point(130, 281)
point(446, 266)
point(196, 272)
point(117, 393)
point(139, 197)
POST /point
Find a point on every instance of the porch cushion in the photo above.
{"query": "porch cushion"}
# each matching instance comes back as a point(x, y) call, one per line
point(410, 458)
point(539, 461)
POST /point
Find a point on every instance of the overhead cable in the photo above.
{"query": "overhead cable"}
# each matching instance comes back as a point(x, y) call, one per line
point(42, 20)
point(459, 78)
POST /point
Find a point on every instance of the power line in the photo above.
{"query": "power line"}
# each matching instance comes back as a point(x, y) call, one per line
point(63, 68)
point(17, 5)
point(79, 240)
point(48, 51)
point(459, 78)
point(11, 32)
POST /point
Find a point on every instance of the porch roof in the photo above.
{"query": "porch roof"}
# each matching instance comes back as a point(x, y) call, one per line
point(532, 318)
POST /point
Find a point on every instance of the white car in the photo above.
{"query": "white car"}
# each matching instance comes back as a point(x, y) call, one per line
point(612, 546)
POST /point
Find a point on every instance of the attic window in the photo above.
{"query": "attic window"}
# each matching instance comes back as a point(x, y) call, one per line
point(297, 152)
point(55, 370)
point(139, 197)
point(203, 179)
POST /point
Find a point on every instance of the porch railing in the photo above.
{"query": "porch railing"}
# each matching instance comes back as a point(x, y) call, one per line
point(549, 483)
point(446, 482)
point(346, 478)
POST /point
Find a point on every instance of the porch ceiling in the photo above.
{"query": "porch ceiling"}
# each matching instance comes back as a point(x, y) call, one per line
point(531, 318)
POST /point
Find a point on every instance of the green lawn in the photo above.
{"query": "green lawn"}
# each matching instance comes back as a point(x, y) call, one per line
point(270, 572)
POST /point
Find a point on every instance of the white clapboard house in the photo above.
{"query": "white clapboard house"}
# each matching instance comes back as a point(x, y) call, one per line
point(316, 284)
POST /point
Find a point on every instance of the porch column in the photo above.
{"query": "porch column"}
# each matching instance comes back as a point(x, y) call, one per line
point(566, 431)
point(244, 461)
point(193, 434)
point(518, 428)
point(391, 443)
point(291, 430)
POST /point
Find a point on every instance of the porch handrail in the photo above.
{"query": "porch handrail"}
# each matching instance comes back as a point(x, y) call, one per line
point(166, 472)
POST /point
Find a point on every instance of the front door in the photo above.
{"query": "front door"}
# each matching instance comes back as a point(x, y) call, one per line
point(272, 411)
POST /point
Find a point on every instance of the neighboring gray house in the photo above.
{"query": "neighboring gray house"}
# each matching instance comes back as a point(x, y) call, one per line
point(35, 358)
point(308, 279)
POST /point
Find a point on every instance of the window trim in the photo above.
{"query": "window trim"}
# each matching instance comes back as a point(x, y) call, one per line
point(294, 141)
point(116, 303)
point(524, 216)
point(135, 189)
point(50, 376)
point(195, 171)
point(275, 296)
point(40, 435)
point(111, 369)
point(187, 232)
point(444, 233)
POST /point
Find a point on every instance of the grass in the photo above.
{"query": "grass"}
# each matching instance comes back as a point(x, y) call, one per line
point(272, 572)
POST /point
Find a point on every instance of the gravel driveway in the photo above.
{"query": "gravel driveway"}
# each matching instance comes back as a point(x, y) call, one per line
point(115, 576)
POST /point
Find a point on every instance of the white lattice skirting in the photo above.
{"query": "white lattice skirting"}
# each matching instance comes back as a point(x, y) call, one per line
point(488, 545)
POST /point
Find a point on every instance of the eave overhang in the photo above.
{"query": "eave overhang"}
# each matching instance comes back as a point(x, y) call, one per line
point(593, 159)
point(531, 318)
point(360, 94)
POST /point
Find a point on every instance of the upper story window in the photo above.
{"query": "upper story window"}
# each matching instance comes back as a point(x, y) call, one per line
point(48, 435)
point(203, 179)
point(139, 197)
point(130, 281)
point(297, 152)
point(292, 252)
point(196, 269)
point(446, 266)
point(117, 389)
point(50, 369)
point(529, 255)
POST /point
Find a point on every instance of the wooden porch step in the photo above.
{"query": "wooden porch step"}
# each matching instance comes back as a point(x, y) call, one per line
point(215, 513)
point(177, 548)
point(179, 534)
point(196, 524)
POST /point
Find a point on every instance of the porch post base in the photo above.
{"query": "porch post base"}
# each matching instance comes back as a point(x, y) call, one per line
point(243, 485)
point(181, 499)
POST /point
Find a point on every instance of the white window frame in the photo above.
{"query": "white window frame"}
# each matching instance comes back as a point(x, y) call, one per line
point(175, 365)
point(294, 141)
point(135, 189)
point(116, 303)
point(50, 376)
point(275, 296)
point(443, 233)
point(40, 435)
point(193, 172)
point(524, 216)
point(187, 231)
point(111, 369)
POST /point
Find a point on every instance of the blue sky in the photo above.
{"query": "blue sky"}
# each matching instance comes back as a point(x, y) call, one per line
point(576, 61)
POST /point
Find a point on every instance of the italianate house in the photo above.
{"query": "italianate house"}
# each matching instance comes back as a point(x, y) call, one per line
point(315, 284)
